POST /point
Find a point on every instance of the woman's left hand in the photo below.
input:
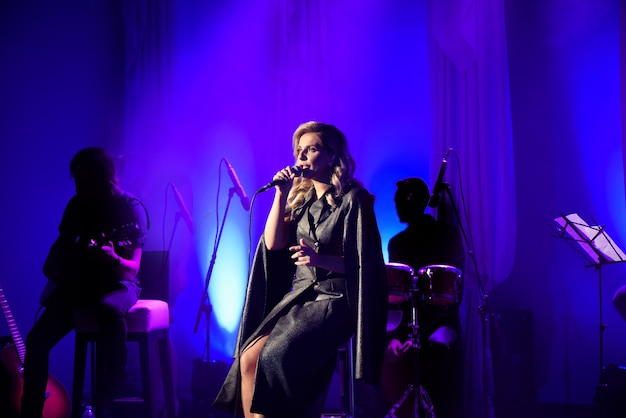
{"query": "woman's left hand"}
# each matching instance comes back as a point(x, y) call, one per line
point(304, 255)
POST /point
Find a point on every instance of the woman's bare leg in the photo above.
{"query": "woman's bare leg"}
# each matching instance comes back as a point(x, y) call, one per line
point(248, 363)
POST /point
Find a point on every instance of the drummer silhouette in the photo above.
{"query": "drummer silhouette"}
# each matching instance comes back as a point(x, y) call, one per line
point(433, 251)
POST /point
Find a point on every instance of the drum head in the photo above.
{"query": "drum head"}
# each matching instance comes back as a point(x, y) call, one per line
point(440, 284)
point(399, 282)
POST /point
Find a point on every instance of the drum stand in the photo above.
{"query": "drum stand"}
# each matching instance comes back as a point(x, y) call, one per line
point(419, 394)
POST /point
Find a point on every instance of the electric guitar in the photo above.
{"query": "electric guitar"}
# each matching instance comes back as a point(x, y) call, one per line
point(122, 236)
point(57, 403)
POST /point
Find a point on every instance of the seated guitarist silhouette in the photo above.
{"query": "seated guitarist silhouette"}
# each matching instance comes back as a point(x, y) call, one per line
point(93, 263)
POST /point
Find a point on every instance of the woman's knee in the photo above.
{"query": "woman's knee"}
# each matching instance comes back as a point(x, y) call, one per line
point(250, 357)
point(248, 362)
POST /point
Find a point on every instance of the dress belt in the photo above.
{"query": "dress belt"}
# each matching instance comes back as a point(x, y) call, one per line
point(333, 288)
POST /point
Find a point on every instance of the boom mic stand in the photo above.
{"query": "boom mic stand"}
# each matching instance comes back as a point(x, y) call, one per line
point(485, 309)
point(205, 305)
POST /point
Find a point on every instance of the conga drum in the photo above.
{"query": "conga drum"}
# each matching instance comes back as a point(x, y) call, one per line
point(399, 282)
point(439, 284)
point(397, 374)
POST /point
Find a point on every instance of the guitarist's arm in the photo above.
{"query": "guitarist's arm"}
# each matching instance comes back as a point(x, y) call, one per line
point(125, 262)
point(53, 266)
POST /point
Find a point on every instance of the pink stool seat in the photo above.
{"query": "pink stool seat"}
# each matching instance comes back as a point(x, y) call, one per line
point(147, 321)
point(148, 315)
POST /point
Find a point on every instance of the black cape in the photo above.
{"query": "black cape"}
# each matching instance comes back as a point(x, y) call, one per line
point(275, 300)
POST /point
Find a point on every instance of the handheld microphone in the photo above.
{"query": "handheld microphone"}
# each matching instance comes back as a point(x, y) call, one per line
point(298, 171)
point(439, 185)
point(245, 202)
point(183, 208)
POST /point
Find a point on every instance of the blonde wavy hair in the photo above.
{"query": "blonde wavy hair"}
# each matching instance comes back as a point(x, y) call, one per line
point(335, 142)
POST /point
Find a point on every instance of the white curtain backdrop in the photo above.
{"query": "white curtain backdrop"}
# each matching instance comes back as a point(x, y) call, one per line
point(469, 75)
point(293, 55)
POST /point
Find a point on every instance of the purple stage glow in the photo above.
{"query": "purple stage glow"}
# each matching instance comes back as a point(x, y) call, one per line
point(175, 91)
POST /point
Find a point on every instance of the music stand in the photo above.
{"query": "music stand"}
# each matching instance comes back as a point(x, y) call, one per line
point(598, 248)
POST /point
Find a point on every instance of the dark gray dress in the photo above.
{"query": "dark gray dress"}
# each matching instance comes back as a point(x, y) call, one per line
point(310, 315)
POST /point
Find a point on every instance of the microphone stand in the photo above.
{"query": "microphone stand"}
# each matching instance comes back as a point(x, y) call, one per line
point(485, 308)
point(205, 306)
point(179, 215)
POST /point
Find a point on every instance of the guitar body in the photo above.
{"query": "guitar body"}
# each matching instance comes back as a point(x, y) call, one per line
point(57, 404)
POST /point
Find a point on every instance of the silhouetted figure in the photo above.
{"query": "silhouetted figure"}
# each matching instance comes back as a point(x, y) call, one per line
point(92, 264)
point(427, 242)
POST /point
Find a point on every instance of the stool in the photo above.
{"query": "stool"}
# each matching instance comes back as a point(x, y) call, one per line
point(342, 384)
point(346, 358)
point(148, 322)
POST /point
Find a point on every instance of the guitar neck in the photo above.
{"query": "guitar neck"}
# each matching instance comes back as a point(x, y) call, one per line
point(15, 333)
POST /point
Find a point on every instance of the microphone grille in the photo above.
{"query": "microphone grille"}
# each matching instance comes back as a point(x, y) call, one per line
point(297, 170)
